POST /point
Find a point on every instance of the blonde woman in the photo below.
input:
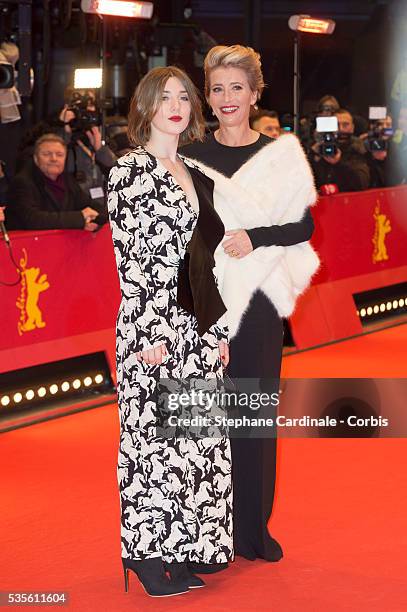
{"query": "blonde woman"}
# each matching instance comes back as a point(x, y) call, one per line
point(175, 493)
point(263, 190)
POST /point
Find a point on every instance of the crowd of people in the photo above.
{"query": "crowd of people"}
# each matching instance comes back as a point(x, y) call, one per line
point(63, 164)
point(366, 154)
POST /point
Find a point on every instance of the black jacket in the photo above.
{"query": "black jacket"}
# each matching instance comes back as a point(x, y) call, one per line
point(197, 290)
point(32, 206)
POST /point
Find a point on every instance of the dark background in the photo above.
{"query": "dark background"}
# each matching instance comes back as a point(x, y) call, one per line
point(358, 63)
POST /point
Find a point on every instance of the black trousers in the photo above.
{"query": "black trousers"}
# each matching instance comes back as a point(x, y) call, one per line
point(255, 352)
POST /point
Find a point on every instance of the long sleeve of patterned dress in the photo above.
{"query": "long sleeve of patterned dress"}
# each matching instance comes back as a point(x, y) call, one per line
point(145, 302)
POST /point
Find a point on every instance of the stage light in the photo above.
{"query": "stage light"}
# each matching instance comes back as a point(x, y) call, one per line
point(306, 23)
point(382, 307)
point(401, 302)
point(395, 303)
point(376, 308)
point(76, 383)
point(5, 400)
point(98, 379)
point(388, 305)
point(42, 392)
point(369, 311)
point(363, 312)
point(88, 78)
point(119, 8)
point(65, 386)
point(53, 389)
point(87, 381)
point(17, 397)
point(30, 394)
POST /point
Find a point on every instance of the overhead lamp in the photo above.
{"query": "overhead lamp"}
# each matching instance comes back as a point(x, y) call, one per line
point(306, 23)
point(119, 8)
point(88, 78)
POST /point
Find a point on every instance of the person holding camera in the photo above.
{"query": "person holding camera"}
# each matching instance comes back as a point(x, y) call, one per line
point(44, 196)
point(377, 141)
point(397, 159)
point(341, 164)
point(78, 124)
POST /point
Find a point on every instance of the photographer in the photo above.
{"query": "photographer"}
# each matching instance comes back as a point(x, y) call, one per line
point(88, 159)
point(397, 159)
point(377, 141)
point(331, 172)
point(43, 196)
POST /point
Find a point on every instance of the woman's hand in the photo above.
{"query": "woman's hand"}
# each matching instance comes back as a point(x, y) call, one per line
point(224, 352)
point(239, 244)
point(153, 356)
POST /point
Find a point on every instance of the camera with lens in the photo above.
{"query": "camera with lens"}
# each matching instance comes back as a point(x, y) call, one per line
point(378, 135)
point(327, 136)
point(84, 118)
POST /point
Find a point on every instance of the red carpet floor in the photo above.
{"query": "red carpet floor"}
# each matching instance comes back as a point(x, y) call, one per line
point(340, 512)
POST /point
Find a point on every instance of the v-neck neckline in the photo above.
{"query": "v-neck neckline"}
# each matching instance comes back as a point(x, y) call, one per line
point(176, 183)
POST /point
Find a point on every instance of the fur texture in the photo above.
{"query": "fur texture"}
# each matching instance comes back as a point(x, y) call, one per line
point(275, 186)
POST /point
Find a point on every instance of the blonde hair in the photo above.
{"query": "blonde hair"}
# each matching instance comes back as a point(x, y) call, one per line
point(235, 56)
point(147, 98)
point(48, 138)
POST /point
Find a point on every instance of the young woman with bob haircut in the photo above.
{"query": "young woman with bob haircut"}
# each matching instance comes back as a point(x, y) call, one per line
point(263, 190)
point(175, 492)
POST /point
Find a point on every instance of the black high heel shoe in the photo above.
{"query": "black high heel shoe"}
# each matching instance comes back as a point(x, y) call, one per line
point(152, 576)
point(181, 574)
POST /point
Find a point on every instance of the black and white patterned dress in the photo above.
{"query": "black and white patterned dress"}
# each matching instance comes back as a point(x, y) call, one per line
point(176, 494)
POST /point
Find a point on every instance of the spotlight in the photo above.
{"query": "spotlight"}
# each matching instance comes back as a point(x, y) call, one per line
point(17, 397)
point(388, 306)
point(306, 23)
point(5, 400)
point(119, 8)
point(395, 303)
point(98, 379)
point(300, 24)
point(65, 386)
point(30, 394)
point(363, 312)
point(401, 302)
point(76, 383)
point(369, 310)
point(376, 308)
point(42, 392)
point(88, 78)
point(382, 307)
point(87, 381)
point(53, 389)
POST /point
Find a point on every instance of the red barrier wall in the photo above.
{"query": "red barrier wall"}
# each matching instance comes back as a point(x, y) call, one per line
point(68, 300)
point(361, 240)
point(67, 303)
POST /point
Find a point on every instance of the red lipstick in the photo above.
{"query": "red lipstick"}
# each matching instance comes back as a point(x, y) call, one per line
point(176, 118)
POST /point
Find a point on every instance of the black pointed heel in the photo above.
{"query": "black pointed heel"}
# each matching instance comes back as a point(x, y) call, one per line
point(181, 574)
point(152, 576)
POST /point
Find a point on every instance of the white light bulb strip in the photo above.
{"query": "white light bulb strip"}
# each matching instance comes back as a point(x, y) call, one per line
point(16, 397)
point(387, 306)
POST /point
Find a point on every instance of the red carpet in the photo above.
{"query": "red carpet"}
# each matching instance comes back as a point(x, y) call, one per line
point(340, 513)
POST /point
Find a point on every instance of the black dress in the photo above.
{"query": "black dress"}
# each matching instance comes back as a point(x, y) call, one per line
point(255, 352)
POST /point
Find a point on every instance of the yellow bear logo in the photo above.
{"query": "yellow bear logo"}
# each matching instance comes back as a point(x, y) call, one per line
point(31, 286)
point(382, 228)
